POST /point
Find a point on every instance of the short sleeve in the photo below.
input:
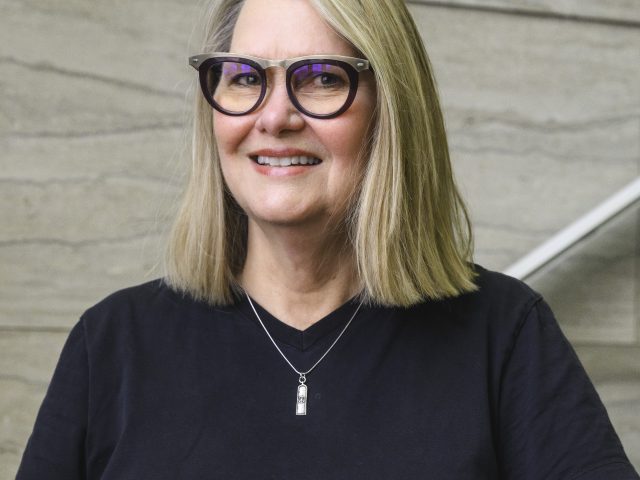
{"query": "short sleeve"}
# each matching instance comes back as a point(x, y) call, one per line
point(552, 424)
point(55, 449)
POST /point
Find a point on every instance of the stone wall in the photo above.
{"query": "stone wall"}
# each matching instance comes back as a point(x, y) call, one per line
point(542, 102)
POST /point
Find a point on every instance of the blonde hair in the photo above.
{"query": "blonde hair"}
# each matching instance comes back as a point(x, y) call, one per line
point(411, 244)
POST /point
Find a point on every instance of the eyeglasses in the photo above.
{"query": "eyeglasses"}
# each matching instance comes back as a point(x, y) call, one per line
point(320, 86)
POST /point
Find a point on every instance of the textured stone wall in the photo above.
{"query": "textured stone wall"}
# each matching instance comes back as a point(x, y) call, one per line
point(542, 103)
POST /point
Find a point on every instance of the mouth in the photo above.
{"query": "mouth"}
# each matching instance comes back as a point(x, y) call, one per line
point(285, 161)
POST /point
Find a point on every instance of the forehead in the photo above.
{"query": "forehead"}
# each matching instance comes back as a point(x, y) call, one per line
point(280, 29)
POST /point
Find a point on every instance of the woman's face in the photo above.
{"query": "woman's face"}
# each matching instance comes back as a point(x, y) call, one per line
point(302, 194)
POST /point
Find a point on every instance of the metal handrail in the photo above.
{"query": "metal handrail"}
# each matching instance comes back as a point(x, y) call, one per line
point(575, 232)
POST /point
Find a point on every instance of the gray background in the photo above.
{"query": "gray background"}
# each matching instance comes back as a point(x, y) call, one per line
point(542, 102)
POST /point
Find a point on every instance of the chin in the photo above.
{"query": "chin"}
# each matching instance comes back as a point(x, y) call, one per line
point(296, 218)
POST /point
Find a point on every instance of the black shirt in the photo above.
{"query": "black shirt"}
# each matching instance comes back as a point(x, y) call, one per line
point(154, 385)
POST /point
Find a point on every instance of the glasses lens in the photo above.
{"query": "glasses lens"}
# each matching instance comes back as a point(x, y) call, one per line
point(233, 86)
point(320, 88)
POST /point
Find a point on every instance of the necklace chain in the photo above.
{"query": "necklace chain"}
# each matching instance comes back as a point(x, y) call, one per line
point(302, 374)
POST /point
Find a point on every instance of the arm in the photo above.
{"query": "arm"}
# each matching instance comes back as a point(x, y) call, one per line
point(55, 449)
point(552, 424)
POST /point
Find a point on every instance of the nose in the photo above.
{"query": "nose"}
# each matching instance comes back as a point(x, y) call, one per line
point(276, 114)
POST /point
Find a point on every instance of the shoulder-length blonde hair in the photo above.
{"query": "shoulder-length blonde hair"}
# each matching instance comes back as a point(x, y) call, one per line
point(412, 243)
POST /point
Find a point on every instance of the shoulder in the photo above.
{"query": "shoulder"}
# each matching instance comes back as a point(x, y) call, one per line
point(130, 301)
point(153, 305)
point(500, 293)
point(484, 324)
point(498, 284)
point(499, 299)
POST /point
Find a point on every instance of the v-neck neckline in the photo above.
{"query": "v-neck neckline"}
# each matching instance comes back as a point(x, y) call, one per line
point(300, 339)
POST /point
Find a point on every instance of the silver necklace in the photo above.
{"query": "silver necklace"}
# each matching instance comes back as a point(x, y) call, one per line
point(303, 389)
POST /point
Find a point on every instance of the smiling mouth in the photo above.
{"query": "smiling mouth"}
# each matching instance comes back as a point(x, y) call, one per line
point(285, 161)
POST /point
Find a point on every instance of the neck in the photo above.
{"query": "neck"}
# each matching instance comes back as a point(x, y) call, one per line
point(298, 276)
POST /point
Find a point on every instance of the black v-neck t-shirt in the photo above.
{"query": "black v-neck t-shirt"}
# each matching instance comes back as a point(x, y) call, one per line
point(154, 385)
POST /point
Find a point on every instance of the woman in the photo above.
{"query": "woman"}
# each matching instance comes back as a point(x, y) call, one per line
point(321, 317)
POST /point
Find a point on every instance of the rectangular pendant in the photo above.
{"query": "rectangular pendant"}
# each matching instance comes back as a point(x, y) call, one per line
point(301, 404)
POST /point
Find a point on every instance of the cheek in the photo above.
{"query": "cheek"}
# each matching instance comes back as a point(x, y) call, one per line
point(348, 162)
point(348, 139)
point(352, 129)
point(351, 142)
point(229, 133)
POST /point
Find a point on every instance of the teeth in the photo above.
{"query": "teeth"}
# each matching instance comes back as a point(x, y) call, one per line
point(287, 161)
